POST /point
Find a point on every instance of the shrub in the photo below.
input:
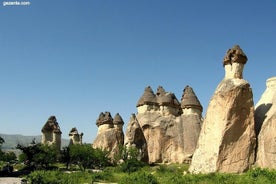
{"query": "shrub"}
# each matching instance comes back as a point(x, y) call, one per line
point(58, 177)
point(139, 178)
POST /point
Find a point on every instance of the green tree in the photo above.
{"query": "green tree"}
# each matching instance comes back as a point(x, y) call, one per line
point(87, 157)
point(65, 156)
point(129, 156)
point(1, 141)
point(38, 155)
point(9, 156)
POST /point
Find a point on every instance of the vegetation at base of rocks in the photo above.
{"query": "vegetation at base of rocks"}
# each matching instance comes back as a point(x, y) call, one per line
point(87, 157)
point(80, 158)
point(139, 177)
point(37, 155)
point(162, 174)
point(127, 159)
point(6, 156)
point(58, 177)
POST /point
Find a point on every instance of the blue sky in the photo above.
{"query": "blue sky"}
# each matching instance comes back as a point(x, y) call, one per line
point(74, 59)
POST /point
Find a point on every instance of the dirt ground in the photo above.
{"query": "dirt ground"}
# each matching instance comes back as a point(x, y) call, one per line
point(10, 180)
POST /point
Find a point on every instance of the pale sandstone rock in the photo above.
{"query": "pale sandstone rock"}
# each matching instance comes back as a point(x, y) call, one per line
point(227, 139)
point(163, 127)
point(51, 133)
point(265, 117)
point(134, 137)
point(191, 120)
point(110, 134)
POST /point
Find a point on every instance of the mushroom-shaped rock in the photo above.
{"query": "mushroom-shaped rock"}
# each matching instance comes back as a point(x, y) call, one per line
point(189, 99)
point(75, 137)
point(227, 138)
point(110, 133)
point(148, 98)
point(234, 62)
point(104, 118)
point(51, 133)
point(118, 120)
point(51, 125)
point(166, 99)
point(235, 55)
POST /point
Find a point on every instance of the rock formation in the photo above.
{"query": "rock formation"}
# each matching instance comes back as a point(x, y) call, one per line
point(51, 134)
point(75, 137)
point(191, 121)
point(227, 139)
point(110, 133)
point(134, 137)
point(265, 119)
point(161, 120)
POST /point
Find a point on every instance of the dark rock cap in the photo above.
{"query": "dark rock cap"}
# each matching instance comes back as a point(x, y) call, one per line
point(148, 98)
point(166, 98)
point(189, 99)
point(118, 120)
point(104, 118)
point(51, 125)
point(235, 55)
point(73, 131)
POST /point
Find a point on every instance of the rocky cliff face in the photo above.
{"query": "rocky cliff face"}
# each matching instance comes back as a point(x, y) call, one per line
point(227, 139)
point(134, 137)
point(110, 133)
point(265, 117)
point(170, 134)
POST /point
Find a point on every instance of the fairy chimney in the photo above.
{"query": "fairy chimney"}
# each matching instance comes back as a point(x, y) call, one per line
point(168, 103)
point(147, 102)
point(227, 139)
point(234, 62)
point(75, 137)
point(265, 119)
point(104, 122)
point(189, 102)
point(110, 133)
point(51, 134)
point(118, 122)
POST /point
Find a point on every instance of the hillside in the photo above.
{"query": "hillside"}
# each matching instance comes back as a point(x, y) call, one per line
point(11, 140)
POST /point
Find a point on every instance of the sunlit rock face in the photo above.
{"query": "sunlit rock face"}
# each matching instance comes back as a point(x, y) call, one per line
point(134, 138)
point(51, 133)
point(227, 139)
point(170, 135)
point(265, 118)
point(75, 137)
point(110, 133)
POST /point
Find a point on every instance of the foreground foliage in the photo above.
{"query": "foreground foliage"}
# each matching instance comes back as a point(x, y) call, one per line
point(171, 174)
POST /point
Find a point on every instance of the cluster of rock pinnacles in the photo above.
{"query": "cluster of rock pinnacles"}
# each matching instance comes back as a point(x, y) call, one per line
point(231, 138)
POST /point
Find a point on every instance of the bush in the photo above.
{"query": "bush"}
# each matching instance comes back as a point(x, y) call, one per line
point(87, 157)
point(58, 177)
point(139, 178)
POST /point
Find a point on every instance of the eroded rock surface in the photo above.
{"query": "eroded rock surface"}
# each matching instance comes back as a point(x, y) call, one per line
point(265, 117)
point(134, 137)
point(227, 139)
point(170, 134)
point(110, 133)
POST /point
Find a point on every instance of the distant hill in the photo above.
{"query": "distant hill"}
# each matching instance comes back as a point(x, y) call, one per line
point(11, 140)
